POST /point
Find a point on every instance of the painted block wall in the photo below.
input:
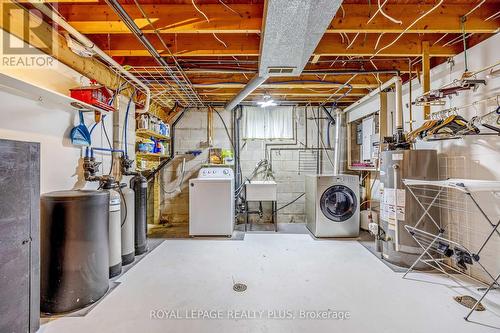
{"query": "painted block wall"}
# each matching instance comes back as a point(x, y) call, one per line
point(191, 133)
point(472, 157)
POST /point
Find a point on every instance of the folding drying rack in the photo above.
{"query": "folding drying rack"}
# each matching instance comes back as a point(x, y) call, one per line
point(438, 249)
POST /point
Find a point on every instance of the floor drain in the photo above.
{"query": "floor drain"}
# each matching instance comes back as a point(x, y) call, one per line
point(468, 302)
point(239, 287)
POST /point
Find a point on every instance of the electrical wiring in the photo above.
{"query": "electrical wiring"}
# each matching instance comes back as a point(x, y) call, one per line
point(109, 143)
point(409, 27)
point(208, 21)
point(291, 202)
point(378, 40)
point(376, 12)
point(124, 203)
point(378, 79)
point(346, 84)
point(494, 16)
point(386, 15)
point(181, 180)
point(321, 137)
point(347, 37)
point(200, 11)
point(353, 40)
point(343, 11)
point(473, 9)
point(334, 61)
point(225, 128)
point(228, 135)
point(455, 40)
point(231, 9)
point(440, 39)
point(219, 40)
point(125, 124)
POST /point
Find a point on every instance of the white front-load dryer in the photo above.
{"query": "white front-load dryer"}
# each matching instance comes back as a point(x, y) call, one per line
point(332, 205)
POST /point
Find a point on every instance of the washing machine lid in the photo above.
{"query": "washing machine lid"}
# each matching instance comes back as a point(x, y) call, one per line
point(338, 203)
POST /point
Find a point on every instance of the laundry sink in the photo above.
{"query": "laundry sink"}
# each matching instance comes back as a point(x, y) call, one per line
point(261, 190)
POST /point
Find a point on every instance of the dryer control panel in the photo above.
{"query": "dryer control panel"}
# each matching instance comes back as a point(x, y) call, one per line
point(215, 172)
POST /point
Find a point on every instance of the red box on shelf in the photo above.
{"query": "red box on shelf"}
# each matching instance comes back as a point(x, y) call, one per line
point(95, 94)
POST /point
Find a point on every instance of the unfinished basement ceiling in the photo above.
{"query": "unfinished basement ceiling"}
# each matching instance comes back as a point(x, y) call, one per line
point(218, 43)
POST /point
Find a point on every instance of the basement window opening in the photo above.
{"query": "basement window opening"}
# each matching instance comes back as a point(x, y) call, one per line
point(270, 123)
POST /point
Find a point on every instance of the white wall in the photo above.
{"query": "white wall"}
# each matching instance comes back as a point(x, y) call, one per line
point(474, 157)
point(24, 118)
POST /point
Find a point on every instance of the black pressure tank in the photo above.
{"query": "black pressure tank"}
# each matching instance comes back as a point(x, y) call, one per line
point(139, 184)
point(74, 249)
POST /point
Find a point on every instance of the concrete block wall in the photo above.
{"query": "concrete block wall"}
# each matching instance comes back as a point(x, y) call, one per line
point(191, 133)
point(472, 157)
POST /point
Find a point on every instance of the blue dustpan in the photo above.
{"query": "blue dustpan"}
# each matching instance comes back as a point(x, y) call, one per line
point(80, 134)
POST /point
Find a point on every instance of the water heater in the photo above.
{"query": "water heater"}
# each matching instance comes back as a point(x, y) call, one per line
point(398, 207)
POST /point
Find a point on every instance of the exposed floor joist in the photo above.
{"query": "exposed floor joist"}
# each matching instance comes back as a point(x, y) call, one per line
point(247, 18)
point(219, 54)
point(248, 45)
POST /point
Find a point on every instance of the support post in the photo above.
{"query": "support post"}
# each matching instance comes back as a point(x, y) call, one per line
point(426, 80)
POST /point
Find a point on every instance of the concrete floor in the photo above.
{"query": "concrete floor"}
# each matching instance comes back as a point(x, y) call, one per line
point(285, 274)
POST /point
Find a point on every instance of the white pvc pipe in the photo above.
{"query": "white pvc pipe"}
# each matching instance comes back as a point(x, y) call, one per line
point(399, 104)
point(336, 151)
point(253, 84)
point(90, 45)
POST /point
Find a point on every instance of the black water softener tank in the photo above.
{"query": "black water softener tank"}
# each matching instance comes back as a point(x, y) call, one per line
point(139, 184)
point(74, 249)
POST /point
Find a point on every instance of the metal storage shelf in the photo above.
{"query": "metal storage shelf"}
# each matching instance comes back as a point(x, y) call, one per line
point(148, 133)
point(42, 95)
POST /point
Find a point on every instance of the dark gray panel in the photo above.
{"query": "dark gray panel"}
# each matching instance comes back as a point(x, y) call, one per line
point(15, 191)
point(35, 238)
point(14, 287)
point(19, 236)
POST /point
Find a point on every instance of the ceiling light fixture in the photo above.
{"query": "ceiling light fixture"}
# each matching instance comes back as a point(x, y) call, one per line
point(267, 101)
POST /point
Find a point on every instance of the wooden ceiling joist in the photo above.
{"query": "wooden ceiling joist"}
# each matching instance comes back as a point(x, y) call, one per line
point(306, 94)
point(248, 45)
point(297, 85)
point(247, 18)
point(219, 53)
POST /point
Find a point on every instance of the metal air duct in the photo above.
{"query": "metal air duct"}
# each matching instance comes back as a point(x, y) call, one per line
point(253, 84)
point(291, 32)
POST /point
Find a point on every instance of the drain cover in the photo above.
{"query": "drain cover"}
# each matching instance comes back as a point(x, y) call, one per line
point(468, 302)
point(239, 287)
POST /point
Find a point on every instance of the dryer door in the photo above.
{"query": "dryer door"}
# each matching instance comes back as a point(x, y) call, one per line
point(338, 203)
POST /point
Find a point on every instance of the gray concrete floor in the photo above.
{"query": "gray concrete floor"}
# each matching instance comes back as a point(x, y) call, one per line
point(286, 273)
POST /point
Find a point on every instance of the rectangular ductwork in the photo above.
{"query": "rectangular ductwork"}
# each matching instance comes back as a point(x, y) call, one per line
point(291, 31)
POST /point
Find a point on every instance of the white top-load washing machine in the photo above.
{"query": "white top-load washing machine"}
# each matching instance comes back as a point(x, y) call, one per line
point(211, 202)
point(332, 205)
